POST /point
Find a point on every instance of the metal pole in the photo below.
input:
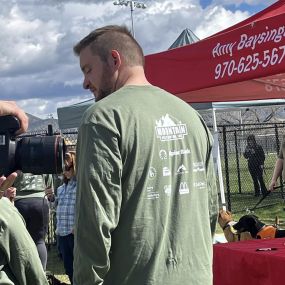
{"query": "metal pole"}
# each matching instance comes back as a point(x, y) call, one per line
point(218, 160)
point(132, 5)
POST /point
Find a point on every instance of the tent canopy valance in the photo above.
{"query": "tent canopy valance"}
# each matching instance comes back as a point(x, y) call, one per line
point(244, 62)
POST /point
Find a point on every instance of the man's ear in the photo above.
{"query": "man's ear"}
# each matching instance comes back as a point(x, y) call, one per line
point(115, 59)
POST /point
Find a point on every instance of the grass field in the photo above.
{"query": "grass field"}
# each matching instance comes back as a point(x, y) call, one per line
point(237, 168)
point(238, 185)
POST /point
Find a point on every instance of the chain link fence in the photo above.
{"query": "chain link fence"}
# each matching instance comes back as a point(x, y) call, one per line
point(240, 192)
point(239, 175)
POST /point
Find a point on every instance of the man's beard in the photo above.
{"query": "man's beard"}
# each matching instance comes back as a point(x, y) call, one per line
point(107, 85)
point(103, 93)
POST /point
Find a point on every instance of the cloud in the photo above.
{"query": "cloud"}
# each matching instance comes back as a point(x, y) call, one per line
point(217, 18)
point(240, 2)
point(27, 44)
point(43, 108)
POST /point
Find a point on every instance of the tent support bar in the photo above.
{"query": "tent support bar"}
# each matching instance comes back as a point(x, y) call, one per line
point(217, 160)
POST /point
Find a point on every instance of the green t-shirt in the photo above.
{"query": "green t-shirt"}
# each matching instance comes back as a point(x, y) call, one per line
point(31, 185)
point(147, 197)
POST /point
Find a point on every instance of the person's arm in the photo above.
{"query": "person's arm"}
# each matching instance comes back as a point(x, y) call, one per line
point(276, 173)
point(246, 152)
point(49, 189)
point(11, 108)
point(213, 198)
point(262, 155)
point(99, 170)
point(212, 183)
point(211, 180)
point(19, 251)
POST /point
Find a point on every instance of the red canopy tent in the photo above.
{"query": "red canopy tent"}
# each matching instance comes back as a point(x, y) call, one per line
point(243, 62)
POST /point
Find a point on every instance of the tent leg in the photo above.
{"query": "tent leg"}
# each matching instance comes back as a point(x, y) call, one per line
point(217, 160)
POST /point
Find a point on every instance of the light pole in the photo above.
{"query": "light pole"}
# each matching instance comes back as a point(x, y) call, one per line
point(133, 5)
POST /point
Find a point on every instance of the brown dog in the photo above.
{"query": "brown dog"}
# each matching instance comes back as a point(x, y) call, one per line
point(226, 222)
point(248, 227)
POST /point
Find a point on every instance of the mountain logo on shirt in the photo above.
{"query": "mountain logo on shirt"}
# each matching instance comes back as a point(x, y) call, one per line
point(169, 128)
point(182, 169)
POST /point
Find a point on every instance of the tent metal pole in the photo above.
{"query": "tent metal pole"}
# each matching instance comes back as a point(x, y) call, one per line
point(217, 159)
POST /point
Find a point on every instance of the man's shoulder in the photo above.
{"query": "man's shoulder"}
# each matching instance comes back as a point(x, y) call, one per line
point(135, 100)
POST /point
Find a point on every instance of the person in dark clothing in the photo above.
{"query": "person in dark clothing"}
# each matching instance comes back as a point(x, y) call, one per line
point(33, 206)
point(255, 158)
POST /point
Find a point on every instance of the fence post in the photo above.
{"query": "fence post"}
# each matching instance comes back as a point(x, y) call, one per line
point(227, 168)
point(278, 149)
point(237, 161)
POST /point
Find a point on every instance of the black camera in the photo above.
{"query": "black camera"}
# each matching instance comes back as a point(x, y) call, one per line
point(37, 155)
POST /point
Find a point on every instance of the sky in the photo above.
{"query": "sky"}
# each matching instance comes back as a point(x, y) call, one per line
point(37, 66)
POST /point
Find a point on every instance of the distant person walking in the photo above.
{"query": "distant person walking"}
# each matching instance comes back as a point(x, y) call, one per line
point(255, 158)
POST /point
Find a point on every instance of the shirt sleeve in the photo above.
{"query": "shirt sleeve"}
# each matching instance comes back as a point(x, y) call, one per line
point(213, 197)
point(246, 152)
point(98, 203)
point(18, 249)
point(211, 182)
point(262, 155)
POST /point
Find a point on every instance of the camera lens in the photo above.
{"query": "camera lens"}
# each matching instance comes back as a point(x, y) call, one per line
point(40, 155)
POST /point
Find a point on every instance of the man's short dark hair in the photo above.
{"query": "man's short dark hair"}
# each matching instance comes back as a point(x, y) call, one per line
point(105, 39)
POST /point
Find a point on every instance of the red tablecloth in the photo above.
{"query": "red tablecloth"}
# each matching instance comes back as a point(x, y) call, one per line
point(238, 263)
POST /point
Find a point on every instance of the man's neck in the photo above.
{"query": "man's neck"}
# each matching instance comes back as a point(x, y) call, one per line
point(132, 76)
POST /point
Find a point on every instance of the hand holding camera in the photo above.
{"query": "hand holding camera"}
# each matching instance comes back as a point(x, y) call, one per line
point(37, 155)
point(11, 108)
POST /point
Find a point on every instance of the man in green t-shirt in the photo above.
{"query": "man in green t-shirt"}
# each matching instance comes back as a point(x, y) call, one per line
point(147, 199)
